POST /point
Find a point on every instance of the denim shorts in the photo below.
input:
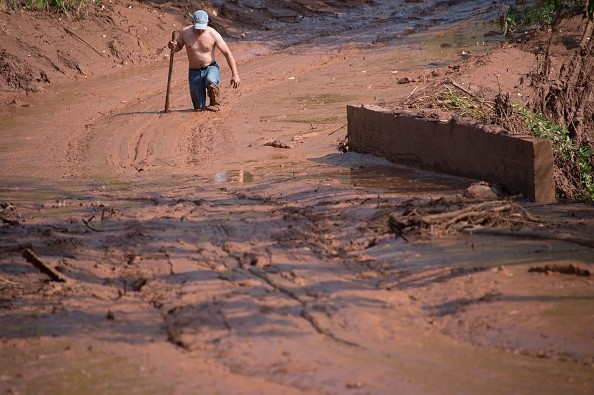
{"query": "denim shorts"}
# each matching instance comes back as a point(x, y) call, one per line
point(199, 79)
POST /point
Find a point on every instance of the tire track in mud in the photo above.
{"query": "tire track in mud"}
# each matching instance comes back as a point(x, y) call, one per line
point(137, 138)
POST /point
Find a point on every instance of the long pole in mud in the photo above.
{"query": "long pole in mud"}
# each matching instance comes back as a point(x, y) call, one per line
point(169, 76)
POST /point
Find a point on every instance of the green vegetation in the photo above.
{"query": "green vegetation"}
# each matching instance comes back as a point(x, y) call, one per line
point(463, 105)
point(543, 12)
point(562, 110)
point(568, 155)
point(63, 6)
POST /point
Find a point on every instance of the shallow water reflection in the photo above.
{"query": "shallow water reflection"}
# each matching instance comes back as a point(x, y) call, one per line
point(233, 176)
point(405, 180)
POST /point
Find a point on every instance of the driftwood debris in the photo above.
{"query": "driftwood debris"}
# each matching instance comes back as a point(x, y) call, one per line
point(7, 214)
point(562, 269)
point(43, 267)
point(497, 218)
point(278, 144)
point(454, 219)
point(9, 221)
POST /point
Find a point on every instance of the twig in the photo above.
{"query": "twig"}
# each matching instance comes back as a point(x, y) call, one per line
point(462, 212)
point(331, 133)
point(83, 40)
point(88, 225)
point(42, 266)
point(411, 93)
point(457, 85)
point(7, 281)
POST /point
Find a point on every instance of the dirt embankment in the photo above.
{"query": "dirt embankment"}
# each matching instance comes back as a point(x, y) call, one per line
point(41, 48)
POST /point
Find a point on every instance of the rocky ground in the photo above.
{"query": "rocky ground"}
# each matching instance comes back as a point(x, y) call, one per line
point(241, 251)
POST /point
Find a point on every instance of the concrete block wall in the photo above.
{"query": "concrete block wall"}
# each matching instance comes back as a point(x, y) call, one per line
point(522, 164)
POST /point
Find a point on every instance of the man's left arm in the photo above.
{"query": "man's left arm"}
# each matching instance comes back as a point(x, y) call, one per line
point(224, 48)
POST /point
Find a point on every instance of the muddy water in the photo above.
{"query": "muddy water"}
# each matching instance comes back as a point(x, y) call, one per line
point(380, 22)
point(202, 260)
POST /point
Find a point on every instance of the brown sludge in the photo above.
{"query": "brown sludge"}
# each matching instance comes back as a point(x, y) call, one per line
point(200, 260)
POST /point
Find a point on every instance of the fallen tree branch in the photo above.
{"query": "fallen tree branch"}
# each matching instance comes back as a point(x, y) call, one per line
point(474, 209)
point(43, 267)
point(491, 213)
point(88, 225)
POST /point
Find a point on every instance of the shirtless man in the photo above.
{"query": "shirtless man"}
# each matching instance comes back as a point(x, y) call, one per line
point(200, 41)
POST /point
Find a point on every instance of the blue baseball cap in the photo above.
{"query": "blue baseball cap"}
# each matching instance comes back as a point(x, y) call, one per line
point(200, 20)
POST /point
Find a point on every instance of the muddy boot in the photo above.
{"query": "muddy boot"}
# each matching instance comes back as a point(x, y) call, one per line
point(214, 95)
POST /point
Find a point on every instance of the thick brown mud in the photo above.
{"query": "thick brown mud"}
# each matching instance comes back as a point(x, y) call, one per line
point(200, 259)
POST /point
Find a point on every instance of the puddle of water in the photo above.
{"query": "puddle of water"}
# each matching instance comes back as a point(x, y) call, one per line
point(323, 99)
point(405, 180)
point(384, 177)
point(382, 21)
point(233, 176)
point(296, 118)
point(436, 48)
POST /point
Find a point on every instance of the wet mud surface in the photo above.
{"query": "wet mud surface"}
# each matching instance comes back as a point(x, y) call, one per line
point(199, 258)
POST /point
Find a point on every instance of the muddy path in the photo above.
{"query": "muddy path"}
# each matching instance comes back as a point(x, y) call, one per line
point(198, 258)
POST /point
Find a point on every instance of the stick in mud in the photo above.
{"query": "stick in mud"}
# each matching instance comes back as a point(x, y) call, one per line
point(169, 76)
point(42, 266)
point(83, 40)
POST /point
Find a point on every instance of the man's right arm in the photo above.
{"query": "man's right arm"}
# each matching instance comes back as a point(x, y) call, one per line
point(178, 44)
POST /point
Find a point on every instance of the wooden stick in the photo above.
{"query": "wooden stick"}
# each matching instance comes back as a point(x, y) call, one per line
point(42, 266)
point(83, 40)
point(330, 134)
point(169, 76)
point(457, 85)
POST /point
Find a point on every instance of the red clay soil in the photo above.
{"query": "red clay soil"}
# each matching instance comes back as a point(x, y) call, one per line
point(241, 252)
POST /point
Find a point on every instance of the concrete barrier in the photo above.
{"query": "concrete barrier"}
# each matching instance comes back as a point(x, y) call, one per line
point(522, 164)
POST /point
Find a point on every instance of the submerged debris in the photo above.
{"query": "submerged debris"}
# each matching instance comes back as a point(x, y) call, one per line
point(278, 144)
point(8, 214)
point(446, 218)
point(42, 266)
point(563, 269)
